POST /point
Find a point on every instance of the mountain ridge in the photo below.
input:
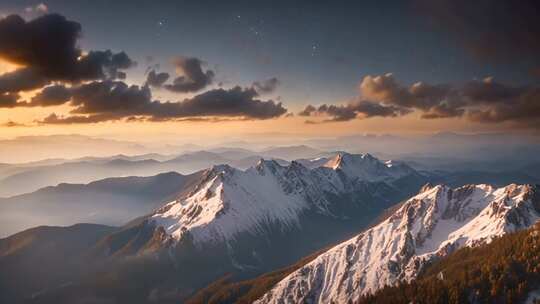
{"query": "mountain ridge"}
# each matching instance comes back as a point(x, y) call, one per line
point(214, 239)
point(271, 192)
point(397, 249)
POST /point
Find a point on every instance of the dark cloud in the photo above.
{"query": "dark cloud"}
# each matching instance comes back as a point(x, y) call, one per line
point(110, 97)
point(496, 102)
point(237, 101)
point(155, 79)
point(433, 99)
point(54, 119)
point(308, 110)
point(383, 96)
point(192, 78)
point(114, 100)
point(481, 101)
point(490, 91)
point(443, 110)
point(47, 48)
point(359, 109)
point(485, 101)
point(51, 96)
point(101, 64)
point(371, 109)
point(23, 79)
point(47, 43)
point(267, 86)
point(488, 101)
point(500, 30)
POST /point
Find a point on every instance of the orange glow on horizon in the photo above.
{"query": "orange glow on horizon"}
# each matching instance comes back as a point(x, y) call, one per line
point(7, 66)
point(196, 131)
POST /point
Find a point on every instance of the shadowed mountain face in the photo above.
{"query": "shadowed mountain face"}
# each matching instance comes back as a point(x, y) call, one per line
point(230, 221)
point(112, 201)
point(45, 254)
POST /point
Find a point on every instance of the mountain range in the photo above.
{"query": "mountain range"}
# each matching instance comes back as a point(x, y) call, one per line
point(111, 201)
point(17, 179)
point(106, 202)
point(245, 223)
point(230, 220)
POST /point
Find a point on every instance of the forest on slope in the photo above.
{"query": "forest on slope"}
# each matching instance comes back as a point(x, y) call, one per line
point(506, 270)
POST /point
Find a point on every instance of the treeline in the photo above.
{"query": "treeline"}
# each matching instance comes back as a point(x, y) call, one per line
point(228, 290)
point(504, 271)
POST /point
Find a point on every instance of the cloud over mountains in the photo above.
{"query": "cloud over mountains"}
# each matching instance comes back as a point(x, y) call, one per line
point(53, 70)
point(485, 101)
point(49, 60)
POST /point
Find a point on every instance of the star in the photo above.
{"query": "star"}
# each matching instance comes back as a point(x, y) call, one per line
point(254, 31)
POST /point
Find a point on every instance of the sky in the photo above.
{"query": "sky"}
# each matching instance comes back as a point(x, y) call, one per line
point(227, 68)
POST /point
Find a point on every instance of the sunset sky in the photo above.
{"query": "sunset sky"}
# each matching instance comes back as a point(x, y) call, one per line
point(228, 68)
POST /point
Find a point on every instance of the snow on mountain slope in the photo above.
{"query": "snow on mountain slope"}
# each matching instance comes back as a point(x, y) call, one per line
point(229, 201)
point(367, 167)
point(431, 224)
point(232, 201)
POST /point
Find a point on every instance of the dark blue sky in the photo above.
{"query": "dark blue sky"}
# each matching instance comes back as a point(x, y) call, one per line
point(319, 50)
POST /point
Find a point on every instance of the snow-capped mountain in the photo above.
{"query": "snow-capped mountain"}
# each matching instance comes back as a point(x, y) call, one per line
point(225, 221)
point(431, 224)
point(230, 201)
point(368, 168)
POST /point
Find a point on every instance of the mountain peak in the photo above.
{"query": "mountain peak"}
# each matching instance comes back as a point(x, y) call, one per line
point(265, 193)
point(367, 167)
point(343, 160)
point(426, 187)
point(221, 169)
point(212, 211)
point(263, 163)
